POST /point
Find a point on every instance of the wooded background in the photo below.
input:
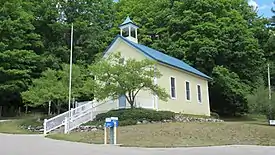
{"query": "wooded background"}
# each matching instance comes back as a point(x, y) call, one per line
point(225, 39)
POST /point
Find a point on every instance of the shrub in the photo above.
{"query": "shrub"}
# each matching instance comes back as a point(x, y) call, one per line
point(137, 114)
point(127, 122)
point(96, 123)
point(259, 103)
point(30, 122)
point(47, 116)
point(121, 123)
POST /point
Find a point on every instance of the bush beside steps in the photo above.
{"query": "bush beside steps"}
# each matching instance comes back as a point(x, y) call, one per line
point(144, 116)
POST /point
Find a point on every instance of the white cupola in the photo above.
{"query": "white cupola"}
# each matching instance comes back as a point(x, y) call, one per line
point(128, 29)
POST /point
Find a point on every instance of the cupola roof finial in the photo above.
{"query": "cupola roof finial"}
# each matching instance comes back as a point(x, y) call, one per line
point(127, 21)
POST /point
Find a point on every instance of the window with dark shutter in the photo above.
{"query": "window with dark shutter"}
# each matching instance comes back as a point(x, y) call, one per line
point(199, 93)
point(173, 87)
point(187, 89)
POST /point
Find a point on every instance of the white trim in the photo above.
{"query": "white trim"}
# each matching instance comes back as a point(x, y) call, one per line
point(129, 24)
point(200, 102)
point(207, 92)
point(129, 31)
point(136, 35)
point(156, 106)
point(132, 39)
point(171, 87)
point(186, 91)
point(117, 103)
point(207, 96)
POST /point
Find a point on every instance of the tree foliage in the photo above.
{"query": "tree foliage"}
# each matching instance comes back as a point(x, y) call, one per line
point(36, 34)
point(19, 62)
point(259, 103)
point(206, 34)
point(54, 86)
point(223, 38)
point(92, 20)
point(231, 89)
point(115, 78)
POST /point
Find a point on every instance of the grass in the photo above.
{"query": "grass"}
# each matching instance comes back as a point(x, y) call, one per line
point(254, 132)
point(13, 125)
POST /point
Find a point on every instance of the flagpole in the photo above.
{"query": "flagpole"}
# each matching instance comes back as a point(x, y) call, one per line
point(71, 63)
point(268, 77)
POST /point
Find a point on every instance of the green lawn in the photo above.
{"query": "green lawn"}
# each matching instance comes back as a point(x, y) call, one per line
point(184, 134)
point(14, 126)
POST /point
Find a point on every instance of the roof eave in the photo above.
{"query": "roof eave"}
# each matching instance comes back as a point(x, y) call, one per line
point(128, 23)
point(205, 77)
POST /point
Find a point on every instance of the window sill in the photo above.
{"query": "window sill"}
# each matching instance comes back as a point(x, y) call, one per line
point(188, 101)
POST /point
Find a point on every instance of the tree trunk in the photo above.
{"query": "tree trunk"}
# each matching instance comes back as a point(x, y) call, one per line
point(26, 109)
point(19, 111)
point(1, 107)
point(49, 108)
point(132, 104)
point(58, 108)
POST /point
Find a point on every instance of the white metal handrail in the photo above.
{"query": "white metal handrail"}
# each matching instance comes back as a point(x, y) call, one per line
point(71, 124)
point(55, 122)
point(86, 116)
point(75, 117)
point(59, 120)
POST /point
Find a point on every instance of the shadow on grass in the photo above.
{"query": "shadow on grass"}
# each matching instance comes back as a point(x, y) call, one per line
point(9, 118)
point(249, 119)
point(245, 118)
point(261, 123)
point(239, 119)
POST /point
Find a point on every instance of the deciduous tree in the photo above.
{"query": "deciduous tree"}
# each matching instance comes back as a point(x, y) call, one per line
point(19, 62)
point(259, 102)
point(54, 86)
point(115, 78)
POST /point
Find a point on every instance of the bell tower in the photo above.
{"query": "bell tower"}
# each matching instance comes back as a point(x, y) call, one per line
point(128, 29)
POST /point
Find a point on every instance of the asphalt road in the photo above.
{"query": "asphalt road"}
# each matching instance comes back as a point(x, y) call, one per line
point(38, 145)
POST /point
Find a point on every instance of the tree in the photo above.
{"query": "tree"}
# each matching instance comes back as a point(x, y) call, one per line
point(19, 62)
point(206, 34)
point(269, 49)
point(229, 87)
point(115, 78)
point(259, 103)
point(92, 20)
point(53, 86)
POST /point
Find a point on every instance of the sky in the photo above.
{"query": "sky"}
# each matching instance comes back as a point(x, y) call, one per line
point(264, 6)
